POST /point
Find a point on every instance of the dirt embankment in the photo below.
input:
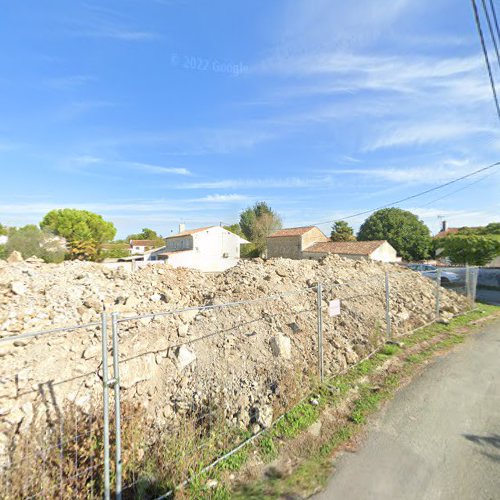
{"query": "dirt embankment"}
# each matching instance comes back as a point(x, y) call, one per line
point(252, 357)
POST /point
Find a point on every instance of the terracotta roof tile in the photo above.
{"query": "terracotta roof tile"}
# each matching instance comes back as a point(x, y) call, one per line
point(346, 247)
point(142, 243)
point(292, 231)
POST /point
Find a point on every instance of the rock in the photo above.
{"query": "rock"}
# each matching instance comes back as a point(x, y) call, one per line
point(184, 357)
point(182, 330)
point(4, 350)
point(92, 352)
point(188, 316)
point(264, 416)
point(281, 346)
point(93, 303)
point(34, 260)
point(211, 484)
point(315, 429)
point(137, 369)
point(18, 287)
point(14, 257)
point(156, 297)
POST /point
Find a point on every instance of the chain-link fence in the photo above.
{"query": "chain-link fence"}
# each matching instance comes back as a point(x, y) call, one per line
point(157, 398)
point(52, 427)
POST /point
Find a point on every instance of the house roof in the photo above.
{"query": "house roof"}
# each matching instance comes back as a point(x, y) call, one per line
point(346, 247)
point(142, 243)
point(201, 229)
point(190, 232)
point(450, 230)
point(292, 231)
point(453, 230)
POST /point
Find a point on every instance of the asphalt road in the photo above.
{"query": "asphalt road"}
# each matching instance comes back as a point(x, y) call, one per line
point(438, 439)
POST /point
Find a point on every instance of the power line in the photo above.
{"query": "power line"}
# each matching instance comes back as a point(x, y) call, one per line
point(490, 27)
point(485, 52)
point(422, 193)
point(495, 18)
point(461, 189)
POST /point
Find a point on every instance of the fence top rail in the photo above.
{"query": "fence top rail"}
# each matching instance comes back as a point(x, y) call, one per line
point(40, 333)
point(217, 306)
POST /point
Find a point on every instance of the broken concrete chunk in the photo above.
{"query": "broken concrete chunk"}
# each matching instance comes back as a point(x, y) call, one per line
point(18, 287)
point(184, 357)
point(281, 346)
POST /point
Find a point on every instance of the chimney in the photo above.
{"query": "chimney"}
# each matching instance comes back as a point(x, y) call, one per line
point(444, 226)
point(182, 228)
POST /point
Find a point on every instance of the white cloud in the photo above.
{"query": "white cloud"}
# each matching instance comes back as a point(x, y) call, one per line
point(272, 183)
point(426, 132)
point(85, 162)
point(65, 82)
point(221, 198)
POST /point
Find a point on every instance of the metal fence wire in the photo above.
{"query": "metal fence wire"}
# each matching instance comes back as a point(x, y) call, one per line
point(156, 398)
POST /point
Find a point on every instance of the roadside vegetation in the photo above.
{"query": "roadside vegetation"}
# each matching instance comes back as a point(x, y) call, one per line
point(340, 408)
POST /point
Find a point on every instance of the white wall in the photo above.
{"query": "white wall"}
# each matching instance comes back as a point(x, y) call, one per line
point(385, 253)
point(207, 250)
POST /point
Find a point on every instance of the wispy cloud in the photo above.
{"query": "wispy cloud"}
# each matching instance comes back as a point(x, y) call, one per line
point(439, 171)
point(71, 81)
point(221, 198)
point(425, 132)
point(122, 34)
point(85, 162)
point(271, 183)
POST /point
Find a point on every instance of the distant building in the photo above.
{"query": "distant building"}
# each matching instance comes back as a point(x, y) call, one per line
point(290, 243)
point(380, 250)
point(445, 231)
point(310, 243)
point(139, 247)
point(210, 249)
point(3, 239)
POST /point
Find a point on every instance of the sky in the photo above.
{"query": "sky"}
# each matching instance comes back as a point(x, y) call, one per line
point(159, 112)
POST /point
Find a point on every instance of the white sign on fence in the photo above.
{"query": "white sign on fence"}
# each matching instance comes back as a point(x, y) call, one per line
point(334, 307)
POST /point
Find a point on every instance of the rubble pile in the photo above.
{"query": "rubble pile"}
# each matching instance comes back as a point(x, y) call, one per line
point(248, 356)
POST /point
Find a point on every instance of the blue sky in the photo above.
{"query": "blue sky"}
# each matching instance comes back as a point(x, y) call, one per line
point(153, 113)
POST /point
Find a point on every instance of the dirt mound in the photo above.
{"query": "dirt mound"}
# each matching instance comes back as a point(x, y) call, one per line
point(253, 357)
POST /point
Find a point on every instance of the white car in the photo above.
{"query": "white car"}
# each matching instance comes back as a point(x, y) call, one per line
point(447, 277)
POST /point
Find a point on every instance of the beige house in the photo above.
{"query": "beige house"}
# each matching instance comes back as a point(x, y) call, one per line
point(290, 243)
point(310, 243)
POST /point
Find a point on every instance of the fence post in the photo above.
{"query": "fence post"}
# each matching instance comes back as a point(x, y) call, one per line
point(467, 281)
point(116, 387)
point(105, 393)
point(320, 329)
point(438, 294)
point(387, 306)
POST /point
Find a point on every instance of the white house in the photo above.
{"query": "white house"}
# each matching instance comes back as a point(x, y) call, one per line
point(3, 239)
point(210, 249)
point(139, 247)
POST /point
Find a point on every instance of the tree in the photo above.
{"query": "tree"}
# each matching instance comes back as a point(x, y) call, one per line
point(257, 223)
point(4, 230)
point(473, 249)
point(81, 229)
point(341, 231)
point(403, 230)
point(145, 234)
point(235, 229)
point(31, 241)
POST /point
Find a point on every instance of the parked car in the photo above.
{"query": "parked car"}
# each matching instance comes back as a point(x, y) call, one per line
point(431, 272)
